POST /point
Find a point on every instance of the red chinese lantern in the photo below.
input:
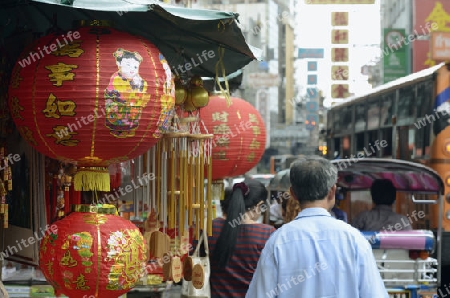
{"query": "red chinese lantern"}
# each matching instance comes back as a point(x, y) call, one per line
point(92, 97)
point(93, 253)
point(239, 135)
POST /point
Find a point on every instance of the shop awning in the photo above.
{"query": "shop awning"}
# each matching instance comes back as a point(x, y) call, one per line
point(181, 34)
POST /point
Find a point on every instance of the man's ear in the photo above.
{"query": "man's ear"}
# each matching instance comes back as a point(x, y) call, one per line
point(332, 193)
point(291, 192)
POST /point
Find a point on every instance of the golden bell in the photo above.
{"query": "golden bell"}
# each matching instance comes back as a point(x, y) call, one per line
point(196, 80)
point(188, 104)
point(180, 93)
point(199, 96)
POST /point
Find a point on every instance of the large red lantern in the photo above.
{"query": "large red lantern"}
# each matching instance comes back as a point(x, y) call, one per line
point(91, 254)
point(239, 135)
point(93, 97)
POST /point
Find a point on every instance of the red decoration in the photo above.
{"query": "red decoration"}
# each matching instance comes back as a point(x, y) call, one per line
point(92, 97)
point(239, 136)
point(88, 254)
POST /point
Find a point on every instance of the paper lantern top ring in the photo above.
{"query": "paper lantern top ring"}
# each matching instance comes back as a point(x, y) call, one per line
point(74, 96)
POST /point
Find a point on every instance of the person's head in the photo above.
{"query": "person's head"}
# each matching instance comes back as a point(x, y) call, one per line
point(226, 201)
point(128, 63)
point(313, 182)
point(246, 203)
point(383, 192)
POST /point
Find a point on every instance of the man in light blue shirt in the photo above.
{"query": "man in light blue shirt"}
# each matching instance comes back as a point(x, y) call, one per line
point(315, 255)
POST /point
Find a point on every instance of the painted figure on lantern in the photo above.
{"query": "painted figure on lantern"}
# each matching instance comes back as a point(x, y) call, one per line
point(167, 99)
point(126, 95)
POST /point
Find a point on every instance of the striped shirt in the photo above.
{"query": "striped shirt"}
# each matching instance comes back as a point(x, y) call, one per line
point(234, 279)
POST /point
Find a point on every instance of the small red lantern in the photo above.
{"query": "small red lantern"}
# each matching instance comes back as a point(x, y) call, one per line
point(92, 97)
point(90, 254)
point(239, 135)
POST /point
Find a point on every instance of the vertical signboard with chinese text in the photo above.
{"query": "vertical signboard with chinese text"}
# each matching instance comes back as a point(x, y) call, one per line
point(339, 55)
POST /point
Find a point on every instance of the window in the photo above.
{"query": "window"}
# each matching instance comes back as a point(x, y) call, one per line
point(360, 117)
point(406, 109)
point(373, 115)
point(360, 143)
point(424, 99)
point(337, 147)
point(387, 103)
point(386, 135)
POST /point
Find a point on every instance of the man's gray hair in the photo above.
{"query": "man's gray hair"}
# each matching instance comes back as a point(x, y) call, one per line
point(312, 178)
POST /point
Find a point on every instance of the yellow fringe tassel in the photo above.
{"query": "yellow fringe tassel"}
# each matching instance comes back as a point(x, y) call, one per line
point(92, 179)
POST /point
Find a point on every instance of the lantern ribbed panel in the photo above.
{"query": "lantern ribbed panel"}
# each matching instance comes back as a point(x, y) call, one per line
point(93, 255)
point(106, 97)
point(239, 136)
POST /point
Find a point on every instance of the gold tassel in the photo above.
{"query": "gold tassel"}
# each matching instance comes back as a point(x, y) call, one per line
point(226, 91)
point(92, 179)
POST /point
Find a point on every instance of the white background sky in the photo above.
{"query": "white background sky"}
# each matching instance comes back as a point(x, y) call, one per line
point(314, 31)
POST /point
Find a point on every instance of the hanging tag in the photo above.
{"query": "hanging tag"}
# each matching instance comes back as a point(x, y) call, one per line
point(187, 269)
point(184, 245)
point(167, 266)
point(176, 269)
point(9, 185)
point(198, 276)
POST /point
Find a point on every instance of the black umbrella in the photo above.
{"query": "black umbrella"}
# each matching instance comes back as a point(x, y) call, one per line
point(207, 41)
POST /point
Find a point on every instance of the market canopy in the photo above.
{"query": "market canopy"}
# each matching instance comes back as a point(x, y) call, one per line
point(183, 35)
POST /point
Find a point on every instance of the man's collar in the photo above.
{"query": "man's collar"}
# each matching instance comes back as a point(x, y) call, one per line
point(313, 211)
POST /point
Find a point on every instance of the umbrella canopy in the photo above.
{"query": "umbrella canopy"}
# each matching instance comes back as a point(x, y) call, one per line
point(208, 42)
point(354, 174)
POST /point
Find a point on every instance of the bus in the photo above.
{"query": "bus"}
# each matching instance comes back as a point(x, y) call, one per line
point(406, 119)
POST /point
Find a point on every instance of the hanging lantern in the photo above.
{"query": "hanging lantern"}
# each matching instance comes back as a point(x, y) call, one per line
point(93, 253)
point(239, 136)
point(75, 96)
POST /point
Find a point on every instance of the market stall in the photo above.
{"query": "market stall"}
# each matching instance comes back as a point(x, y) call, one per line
point(102, 124)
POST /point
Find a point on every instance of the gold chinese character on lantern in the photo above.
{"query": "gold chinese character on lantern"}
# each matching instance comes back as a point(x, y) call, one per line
point(63, 136)
point(50, 267)
point(16, 78)
point(256, 130)
point(254, 144)
point(16, 108)
point(221, 129)
point(68, 260)
point(220, 116)
point(61, 72)
point(251, 156)
point(72, 50)
point(223, 142)
point(81, 283)
point(54, 105)
point(27, 134)
point(253, 118)
point(222, 155)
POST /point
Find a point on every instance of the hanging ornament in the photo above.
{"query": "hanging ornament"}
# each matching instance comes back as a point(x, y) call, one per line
point(197, 96)
point(239, 136)
point(93, 253)
point(100, 87)
point(180, 92)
